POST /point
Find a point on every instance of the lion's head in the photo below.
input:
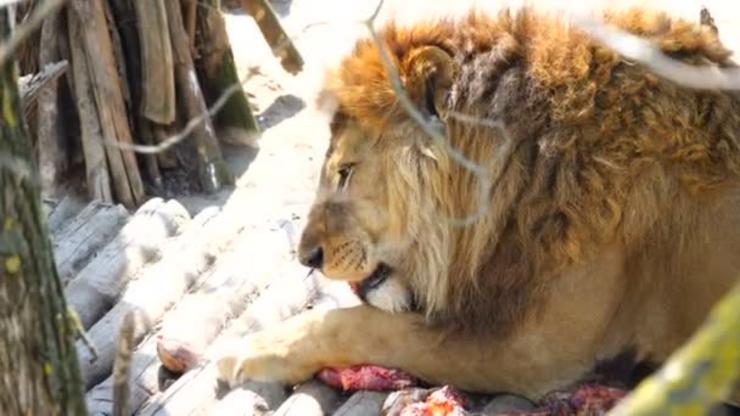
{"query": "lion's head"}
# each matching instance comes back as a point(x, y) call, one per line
point(391, 214)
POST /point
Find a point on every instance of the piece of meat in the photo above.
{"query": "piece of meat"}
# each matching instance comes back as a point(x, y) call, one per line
point(366, 377)
point(587, 399)
point(445, 401)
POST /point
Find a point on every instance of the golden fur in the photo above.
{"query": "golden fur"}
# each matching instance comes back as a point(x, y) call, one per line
point(610, 211)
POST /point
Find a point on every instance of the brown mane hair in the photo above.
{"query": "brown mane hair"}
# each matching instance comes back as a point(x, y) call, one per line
point(596, 151)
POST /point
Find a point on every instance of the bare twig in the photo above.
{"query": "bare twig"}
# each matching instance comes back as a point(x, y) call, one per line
point(642, 51)
point(180, 136)
point(22, 32)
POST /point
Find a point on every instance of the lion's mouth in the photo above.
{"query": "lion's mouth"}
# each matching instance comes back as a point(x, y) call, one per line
point(371, 282)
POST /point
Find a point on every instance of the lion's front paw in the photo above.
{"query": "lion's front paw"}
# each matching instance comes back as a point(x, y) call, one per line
point(266, 357)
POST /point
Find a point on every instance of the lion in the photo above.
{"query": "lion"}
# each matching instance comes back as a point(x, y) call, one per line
point(578, 205)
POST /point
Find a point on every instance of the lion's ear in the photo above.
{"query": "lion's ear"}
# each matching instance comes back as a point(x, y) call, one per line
point(428, 75)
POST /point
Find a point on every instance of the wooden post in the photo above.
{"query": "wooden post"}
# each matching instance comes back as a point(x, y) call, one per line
point(212, 170)
point(217, 72)
point(38, 370)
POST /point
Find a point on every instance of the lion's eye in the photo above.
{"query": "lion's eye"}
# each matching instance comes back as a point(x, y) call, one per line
point(345, 172)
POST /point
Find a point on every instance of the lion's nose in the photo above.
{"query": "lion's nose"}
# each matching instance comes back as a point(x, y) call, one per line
point(313, 257)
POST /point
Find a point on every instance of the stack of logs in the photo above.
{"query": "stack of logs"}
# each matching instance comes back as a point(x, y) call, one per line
point(139, 73)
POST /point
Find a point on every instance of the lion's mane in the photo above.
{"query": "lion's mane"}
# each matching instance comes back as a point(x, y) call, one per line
point(596, 151)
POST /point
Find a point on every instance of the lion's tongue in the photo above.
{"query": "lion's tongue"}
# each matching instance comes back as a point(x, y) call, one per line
point(355, 286)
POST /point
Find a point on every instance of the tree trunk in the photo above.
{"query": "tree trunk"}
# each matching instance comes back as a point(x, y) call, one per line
point(38, 368)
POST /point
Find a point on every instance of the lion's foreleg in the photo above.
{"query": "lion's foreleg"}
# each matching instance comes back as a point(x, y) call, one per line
point(293, 351)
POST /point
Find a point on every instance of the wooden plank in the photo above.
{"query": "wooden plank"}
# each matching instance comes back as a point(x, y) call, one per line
point(95, 289)
point(312, 398)
point(98, 176)
point(85, 235)
point(51, 152)
point(158, 80)
point(109, 96)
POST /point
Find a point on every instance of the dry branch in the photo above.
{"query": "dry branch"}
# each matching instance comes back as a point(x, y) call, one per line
point(122, 365)
point(22, 32)
point(30, 86)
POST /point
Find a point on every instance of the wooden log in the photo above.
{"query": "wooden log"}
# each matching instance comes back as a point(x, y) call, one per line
point(250, 400)
point(157, 74)
point(156, 289)
point(199, 316)
point(98, 177)
point(109, 97)
point(508, 404)
point(362, 403)
point(196, 390)
point(67, 208)
point(274, 34)
point(217, 73)
point(212, 170)
point(312, 398)
point(51, 151)
point(85, 235)
point(95, 289)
